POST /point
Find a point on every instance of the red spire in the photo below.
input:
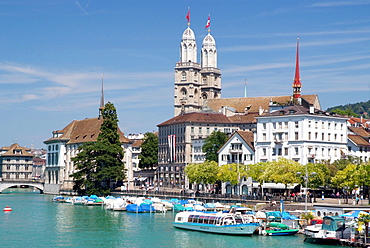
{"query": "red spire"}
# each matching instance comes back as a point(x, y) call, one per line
point(297, 80)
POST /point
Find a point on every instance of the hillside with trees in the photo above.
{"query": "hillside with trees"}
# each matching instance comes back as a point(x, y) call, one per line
point(352, 109)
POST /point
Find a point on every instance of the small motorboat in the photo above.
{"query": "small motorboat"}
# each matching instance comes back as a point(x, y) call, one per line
point(7, 209)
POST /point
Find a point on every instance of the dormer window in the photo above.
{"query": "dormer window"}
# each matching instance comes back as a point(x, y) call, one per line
point(291, 111)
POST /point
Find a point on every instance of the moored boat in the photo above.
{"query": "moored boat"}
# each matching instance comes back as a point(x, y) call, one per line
point(220, 223)
point(331, 231)
point(278, 229)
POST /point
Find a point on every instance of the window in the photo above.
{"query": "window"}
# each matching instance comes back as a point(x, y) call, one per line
point(264, 126)
point(309, 135)
point(200, 129)
point(264, 136)
point(296, 150)
point(296, 135)
point(264, 151)
point(296, 124)
point(286, 151)
point(183, 76)
point(322, 136)
point(192, 129)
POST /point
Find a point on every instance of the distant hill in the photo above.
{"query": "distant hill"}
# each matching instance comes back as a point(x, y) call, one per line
point(353, 109)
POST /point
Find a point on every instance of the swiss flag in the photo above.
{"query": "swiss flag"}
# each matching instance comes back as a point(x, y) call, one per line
point(208, 22)
point(188, 15)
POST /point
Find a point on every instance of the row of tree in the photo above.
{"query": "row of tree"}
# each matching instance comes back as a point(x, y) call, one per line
point(346, 174)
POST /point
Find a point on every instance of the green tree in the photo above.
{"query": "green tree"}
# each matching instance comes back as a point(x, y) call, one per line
point(282, 171)
point(149, 151)
point(205, 173)
point(99, 164)
point(232, 173)
point(213, 143)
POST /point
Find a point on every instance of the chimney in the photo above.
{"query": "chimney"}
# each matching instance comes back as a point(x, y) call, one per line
point(312, 109)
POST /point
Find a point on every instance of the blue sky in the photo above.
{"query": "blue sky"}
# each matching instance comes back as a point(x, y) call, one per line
point(52, 54)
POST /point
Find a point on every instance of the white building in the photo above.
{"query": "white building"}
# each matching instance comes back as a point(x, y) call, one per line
point(359, 143)
point(300, 133)
point(239, 149)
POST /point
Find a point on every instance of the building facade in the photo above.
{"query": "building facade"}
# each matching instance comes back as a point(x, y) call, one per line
point(63, 146)
point(176, 138)
point(16, 163)
point(300, 133)
point(239, 149)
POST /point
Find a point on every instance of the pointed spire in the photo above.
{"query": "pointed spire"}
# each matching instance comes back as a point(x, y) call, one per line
point(297, 80)
point(102, 96)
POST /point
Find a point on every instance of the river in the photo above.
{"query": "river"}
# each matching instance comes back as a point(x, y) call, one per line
point(36, 221)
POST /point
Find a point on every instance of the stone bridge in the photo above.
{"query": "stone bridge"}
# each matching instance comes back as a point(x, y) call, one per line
point(8, 184)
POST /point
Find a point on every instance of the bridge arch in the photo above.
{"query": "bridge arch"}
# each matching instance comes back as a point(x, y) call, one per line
point(6, 185)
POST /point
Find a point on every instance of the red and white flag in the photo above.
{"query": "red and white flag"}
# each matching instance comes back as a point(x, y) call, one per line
point(188, 15)
point(172, 147)
point(208, 22)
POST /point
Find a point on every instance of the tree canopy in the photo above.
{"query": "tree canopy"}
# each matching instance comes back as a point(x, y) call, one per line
point(149, 151)
point(99, 164)
point(213, 143)
point(205, 173)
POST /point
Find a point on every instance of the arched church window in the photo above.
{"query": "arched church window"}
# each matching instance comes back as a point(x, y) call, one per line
point(204, 96)
point(183, 75)
point(183, 93)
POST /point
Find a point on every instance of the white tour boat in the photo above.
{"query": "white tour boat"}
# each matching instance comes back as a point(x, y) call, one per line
point(220, 223)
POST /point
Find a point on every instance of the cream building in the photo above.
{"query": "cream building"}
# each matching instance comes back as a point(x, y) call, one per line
point(63, 146)
point(16, 163)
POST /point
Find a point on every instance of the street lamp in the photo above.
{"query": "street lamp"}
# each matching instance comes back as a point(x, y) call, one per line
point(306, 185)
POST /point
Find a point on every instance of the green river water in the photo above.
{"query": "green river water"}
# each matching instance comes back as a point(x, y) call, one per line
point(36, 221)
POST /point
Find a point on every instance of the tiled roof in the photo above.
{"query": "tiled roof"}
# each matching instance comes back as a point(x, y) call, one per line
point(359, 131)
point(17, 151)
point(137, 143)
point(358, 140)
point(256, 102)
point(299, 110)
point(248, 118)
point(197, 117)
point(81, 131)
point(248, 137)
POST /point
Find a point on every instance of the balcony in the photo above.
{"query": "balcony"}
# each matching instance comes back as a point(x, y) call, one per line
point(278, 141)
point(236, 150)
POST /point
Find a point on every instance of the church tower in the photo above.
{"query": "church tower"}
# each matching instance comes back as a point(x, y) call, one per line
point(210, 74)
point(187, 75)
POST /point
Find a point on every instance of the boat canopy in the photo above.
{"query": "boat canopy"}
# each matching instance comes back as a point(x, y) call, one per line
point(332, 223)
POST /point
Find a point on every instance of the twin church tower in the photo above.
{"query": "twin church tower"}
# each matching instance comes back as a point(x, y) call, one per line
point(194, 82)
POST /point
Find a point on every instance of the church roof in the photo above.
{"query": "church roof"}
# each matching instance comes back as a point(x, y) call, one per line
point(188, 34)
point(197, 117)
point(256, 103)
point(209, 41)
point(16, 150)
point(81, 131)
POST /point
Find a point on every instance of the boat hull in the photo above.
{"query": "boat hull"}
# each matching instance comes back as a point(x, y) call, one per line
point(322, 241)
point(281, 233)
point(242, 229)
